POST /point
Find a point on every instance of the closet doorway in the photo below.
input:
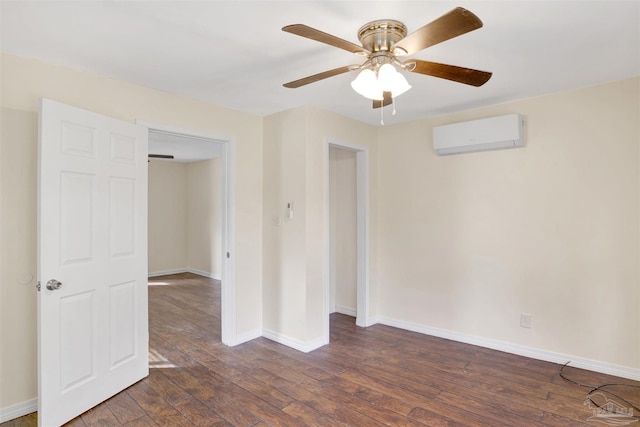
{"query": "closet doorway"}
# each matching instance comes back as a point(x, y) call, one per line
point(346, 222)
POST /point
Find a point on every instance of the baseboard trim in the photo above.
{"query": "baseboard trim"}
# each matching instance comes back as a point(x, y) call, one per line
point(204, 273)
point(184, 270)
point(303, 346)
point(247, 336)
point(534, 353)
point(345, 310)
point(166, 272)
point(18, 410)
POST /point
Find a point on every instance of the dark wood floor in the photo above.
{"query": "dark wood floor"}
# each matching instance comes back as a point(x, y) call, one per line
point(365, 377)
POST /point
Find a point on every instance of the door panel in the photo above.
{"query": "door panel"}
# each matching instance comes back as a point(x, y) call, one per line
point(76, 216)
point(92, 225)
point(122, 224)
point(123, 328)
point(77, 339)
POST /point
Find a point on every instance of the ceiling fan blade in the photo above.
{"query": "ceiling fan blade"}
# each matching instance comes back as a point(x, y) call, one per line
point(467, 76)
point(386, 100)
point(455, 23)
point(316, 77)
point(161, 156)
point(322, 37)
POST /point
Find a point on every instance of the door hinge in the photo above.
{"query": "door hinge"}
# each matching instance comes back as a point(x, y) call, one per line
point(38, 286)
point(228, 255)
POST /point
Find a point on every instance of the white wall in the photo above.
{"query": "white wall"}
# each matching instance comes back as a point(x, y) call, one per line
point(23, 82)
point(468, 242)
point(342, 226)
point(168, 240)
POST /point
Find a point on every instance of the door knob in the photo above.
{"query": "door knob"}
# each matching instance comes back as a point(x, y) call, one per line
point(53, 284)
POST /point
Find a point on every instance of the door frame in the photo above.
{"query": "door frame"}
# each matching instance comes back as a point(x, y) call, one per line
point(362, 232)
point(228, 223)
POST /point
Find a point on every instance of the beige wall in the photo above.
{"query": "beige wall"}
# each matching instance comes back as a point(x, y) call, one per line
point(168, 242)
point(18, 243)
point(322, 126)
point(342, 228)
point(185, 230)
point(295, 170)
point(284, 240)
point(23, 83)
point(204, 217)
point(461, 243)
point(468, 242)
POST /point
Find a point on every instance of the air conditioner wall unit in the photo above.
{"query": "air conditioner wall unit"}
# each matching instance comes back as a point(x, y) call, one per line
point(494, 133)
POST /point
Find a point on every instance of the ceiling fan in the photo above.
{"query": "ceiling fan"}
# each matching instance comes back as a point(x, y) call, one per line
point(161, 156)
point(383, 43)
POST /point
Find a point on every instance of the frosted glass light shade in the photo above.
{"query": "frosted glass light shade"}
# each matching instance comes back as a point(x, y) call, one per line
point(386, 75)
point(366, 84)
point(399, 85)
point(388, 79)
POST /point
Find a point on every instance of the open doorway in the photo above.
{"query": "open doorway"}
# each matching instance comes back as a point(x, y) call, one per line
point(343, 259)
point(346, 239)
point(184, 231)
point(185, 205)
point(202, 167)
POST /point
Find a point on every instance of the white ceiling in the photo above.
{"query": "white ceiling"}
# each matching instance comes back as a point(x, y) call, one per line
point(183, 149)
point(234, 54)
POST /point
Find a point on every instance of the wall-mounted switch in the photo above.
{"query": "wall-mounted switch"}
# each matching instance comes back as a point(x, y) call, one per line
point(525, 320)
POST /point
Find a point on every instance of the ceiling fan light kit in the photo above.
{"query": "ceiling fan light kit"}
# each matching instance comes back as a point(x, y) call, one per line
point(383, 41)
point(378, 74)
point(372, 84)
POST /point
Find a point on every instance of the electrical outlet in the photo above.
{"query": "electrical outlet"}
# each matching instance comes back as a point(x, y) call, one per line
point(525, 320)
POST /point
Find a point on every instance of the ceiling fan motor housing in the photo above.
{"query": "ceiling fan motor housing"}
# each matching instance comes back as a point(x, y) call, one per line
point(381, 35)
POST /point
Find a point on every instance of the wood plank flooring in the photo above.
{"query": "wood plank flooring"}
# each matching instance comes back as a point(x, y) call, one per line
point(366, 377)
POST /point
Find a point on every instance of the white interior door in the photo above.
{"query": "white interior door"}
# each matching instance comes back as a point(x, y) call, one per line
point(93, 334)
